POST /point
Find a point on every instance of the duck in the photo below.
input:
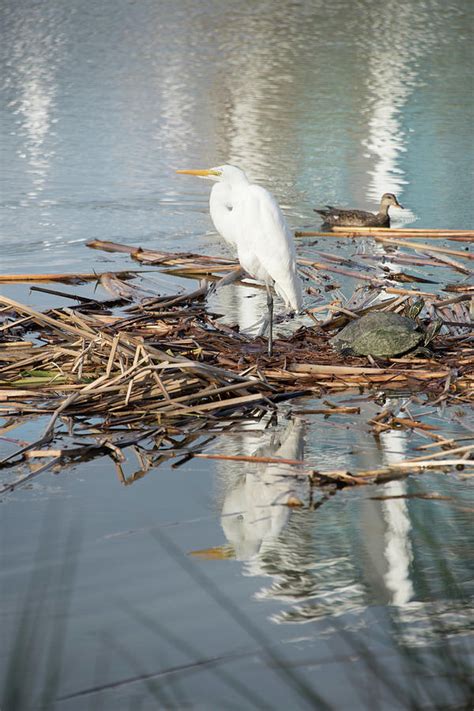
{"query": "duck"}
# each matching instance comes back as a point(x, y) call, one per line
point(334, 217)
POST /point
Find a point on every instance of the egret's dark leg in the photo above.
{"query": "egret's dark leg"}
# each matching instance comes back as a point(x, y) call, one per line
point(270, 319)
point(227, 279)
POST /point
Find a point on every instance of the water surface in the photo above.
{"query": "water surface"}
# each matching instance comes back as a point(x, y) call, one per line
point(320, 102)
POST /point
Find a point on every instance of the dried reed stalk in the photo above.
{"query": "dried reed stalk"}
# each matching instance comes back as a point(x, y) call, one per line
point(67, 277)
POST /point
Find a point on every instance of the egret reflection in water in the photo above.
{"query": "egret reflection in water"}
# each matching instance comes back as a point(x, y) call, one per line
point(309, 567)
point(254, 509)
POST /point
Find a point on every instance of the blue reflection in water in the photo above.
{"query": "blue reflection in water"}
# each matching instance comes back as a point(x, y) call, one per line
point(334, 103)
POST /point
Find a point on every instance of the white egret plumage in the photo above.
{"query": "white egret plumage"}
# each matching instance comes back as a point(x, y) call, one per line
point(248, 217)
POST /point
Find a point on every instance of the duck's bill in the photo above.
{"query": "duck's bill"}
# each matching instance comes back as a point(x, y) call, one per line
point(400, 206)
point(199, 173)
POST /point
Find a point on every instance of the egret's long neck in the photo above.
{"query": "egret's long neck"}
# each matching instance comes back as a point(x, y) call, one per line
point(221, 205)
point(238, 180)
point(225, 195)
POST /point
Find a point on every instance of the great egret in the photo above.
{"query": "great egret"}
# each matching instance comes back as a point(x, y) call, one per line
point(249, 217)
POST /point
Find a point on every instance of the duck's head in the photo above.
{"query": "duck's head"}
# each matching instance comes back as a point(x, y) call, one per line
point(389, 199)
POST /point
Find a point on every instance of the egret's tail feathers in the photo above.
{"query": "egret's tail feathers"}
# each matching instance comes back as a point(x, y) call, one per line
point(291, 293)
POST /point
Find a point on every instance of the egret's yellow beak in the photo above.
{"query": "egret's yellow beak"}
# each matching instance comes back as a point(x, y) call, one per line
point(201, 173)
point(216, 553)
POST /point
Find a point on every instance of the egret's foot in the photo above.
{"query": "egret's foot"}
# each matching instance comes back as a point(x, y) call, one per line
point(281, 318)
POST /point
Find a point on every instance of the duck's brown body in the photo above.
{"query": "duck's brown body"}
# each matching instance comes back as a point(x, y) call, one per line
point(334, 217)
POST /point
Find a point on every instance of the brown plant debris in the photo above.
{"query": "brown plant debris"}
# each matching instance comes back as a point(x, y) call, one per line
point(166, 369)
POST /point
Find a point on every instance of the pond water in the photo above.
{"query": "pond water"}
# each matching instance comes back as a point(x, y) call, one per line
point(330, 606)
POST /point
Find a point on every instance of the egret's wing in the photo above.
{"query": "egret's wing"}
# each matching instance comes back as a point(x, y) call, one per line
point(266, 246)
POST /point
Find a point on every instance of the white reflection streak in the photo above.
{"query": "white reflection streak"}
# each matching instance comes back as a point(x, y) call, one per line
point(392, 78)
point(390, 83)
point(35, 104)
point(37, 47)
point(177, 109)
point(247, 137)
point(398, 551)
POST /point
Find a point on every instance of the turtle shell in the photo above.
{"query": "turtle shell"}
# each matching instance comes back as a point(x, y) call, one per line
point(379, 334)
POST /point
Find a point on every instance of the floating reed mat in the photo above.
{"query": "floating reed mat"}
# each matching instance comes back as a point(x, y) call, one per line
point(164, 368)
point(315, 266)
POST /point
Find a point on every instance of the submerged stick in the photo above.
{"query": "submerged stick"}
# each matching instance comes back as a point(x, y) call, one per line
point(253, 460)
point(330, 411)
point(416, 466)
point(19, 482)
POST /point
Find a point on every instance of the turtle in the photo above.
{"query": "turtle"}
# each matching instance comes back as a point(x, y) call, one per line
point(383, 334)
point(334, 217)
